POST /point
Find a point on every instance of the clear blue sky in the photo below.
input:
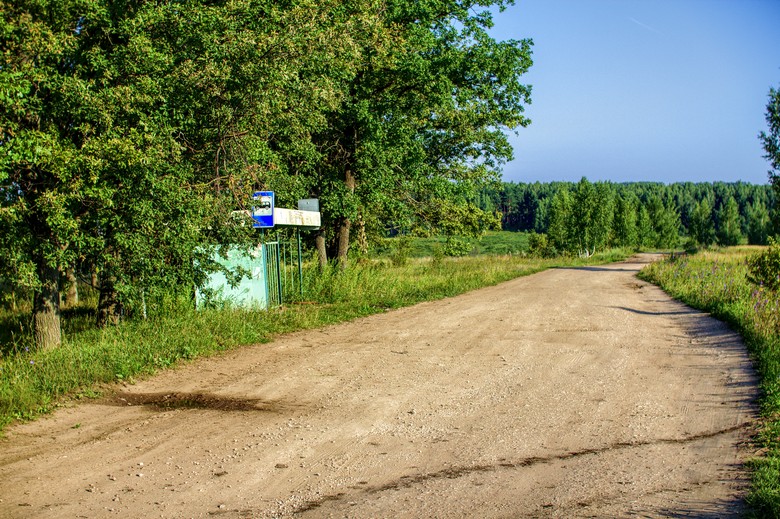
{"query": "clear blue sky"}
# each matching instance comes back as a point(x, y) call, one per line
point(635, 90)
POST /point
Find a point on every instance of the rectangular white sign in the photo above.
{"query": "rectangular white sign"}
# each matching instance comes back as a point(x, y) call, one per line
point(294, 217)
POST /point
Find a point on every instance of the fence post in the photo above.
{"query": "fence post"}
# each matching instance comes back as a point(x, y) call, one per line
point(300, 264)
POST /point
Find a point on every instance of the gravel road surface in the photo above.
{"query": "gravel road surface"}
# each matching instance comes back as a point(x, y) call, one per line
point(580, 392)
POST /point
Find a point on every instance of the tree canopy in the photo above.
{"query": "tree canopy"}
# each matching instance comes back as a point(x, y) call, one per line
point(422, 123)
point(771, 144)
point(130, 131)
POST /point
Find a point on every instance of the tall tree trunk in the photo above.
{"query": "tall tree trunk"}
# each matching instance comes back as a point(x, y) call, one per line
point(362, 238)
point(71, 288)
point(46, 308)
point(108, 303)
point(346, 223)
point(344, 227)
point(322, 251)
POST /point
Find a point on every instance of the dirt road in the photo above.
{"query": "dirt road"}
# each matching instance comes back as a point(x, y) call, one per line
point(570, 393)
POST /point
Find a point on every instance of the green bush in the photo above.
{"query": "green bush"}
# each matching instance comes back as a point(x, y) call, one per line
point(764, 267)
point(539, 245)
point(402, 250)
point(457, 247)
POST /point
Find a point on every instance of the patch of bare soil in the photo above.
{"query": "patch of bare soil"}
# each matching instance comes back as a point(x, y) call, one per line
point(571, 393)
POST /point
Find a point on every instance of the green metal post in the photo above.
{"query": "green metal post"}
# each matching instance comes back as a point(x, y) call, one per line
point(280, 288)
point(300, 266)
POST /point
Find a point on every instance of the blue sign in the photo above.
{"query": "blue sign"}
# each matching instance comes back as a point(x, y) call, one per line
point(263, 209)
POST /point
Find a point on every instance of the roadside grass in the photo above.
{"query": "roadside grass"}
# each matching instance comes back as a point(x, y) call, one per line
point(715, 281)
point(35, 382)
point(492, 242)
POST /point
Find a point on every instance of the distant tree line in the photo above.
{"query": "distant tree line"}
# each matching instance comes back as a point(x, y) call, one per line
point(584, 217)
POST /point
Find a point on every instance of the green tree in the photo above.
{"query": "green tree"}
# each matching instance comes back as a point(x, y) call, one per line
point(541, 217)
point(758, 223)
point(729, 230)
point(625, 222)
point(679, 202)
point(646, 235)
point(39, 181)
point(665, 221)
point(131, 130)
point(581, 232)
point(771, 144)
point(560, 216)
point(236, 89)
point(590, 222)
point(422, 121)
point(702, 227)
point(603, 216)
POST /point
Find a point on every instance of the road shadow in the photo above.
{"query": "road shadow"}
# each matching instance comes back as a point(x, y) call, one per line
point(174, 400)
point(720, 509)
point(600, 269)
point(716, 338)
point(689, 311)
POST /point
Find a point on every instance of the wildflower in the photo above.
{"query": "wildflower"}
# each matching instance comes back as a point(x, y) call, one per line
point(32, 362)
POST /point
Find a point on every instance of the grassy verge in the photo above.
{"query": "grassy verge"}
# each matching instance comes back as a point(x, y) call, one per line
point(33, 382)
point(716, 282)
point(491, 242)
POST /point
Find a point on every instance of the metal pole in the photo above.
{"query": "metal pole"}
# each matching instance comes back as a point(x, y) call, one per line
point(266, 275)
point(287, 251)
point(300, 266)
point(279, 275)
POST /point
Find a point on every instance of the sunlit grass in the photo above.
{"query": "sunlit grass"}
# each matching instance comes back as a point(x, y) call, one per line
point(715, 281)
point(491, 242)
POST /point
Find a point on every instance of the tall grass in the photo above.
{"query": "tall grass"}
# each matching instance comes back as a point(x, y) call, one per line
point(491, 242)
point(716, 282)
point(34, 382)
